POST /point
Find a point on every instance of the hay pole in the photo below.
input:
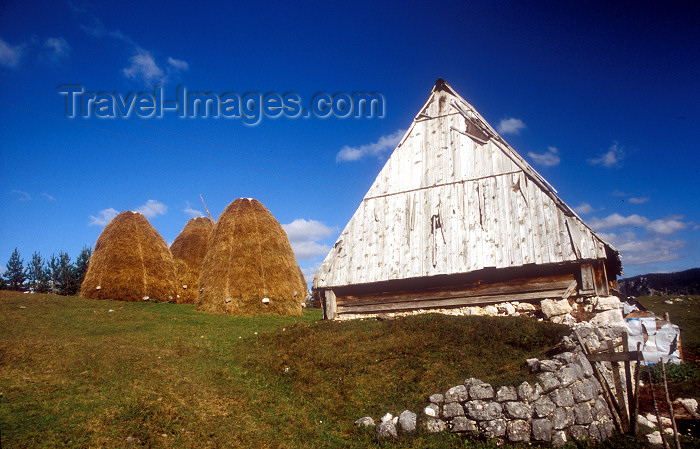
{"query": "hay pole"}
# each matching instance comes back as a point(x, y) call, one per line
point(670, 406)
point(656, 411)
point(205, 208)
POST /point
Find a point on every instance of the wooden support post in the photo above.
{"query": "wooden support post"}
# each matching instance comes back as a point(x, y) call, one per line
point(637, 373)
point(656, 411)
point(329, 306)
point(607, 394)
point(618, 389)
point(670, 406)
point(628, 382)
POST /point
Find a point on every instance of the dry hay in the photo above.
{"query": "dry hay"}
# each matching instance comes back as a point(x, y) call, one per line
point(131, 262)
point(250, 259)
point(189, 249)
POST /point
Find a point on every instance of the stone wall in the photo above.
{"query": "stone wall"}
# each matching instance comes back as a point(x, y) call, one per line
point(565, 402)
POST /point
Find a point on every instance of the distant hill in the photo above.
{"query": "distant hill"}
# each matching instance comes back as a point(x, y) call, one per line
point(681, 283)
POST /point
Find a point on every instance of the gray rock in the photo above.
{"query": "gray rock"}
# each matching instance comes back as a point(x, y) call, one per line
point(553, 307)
point(365, 421)
point(494, 429)
point(432, 410)
point(583, 391)
point(483, 411)
point(463, 424)
point(387, 417)
point(386, 429)
point(568, 344)
point(433, 425)
point(506, 309)
point(471, 382)
point(550, 365)
point(594, 432)
point(437, 398)
point(567, 376)
point(548, 381)
point(544, 406)
point(452, 409)
point(608, 317)
point(456, 394)
point(533, 365)
point(608, 303)
point(583, 413)
point(578, 433)
point(558, 438)
point(518, 430)
point(585, 365)
point(481, 391)
point(606, 427)
point(490, 311)
point(526, 392)
point(562, 418)
point(506, 393)
point(566, 357)
point(541, 429)
point(518, 410)
point(562, 397)
point(407, 421)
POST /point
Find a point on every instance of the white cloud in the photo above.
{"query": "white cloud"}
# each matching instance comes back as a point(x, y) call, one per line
point(55, 49)
point(10, 55)
point(638, 200)
point(510, 126)
point(640, 251)
point(547, 159)
point(152, 208)
point(310, 272)
point(192, 212)
point(143, 68)
point(384, 144)
point(178, 64)
point(610, 159)
point(47, 196)
point(103, 217)
point(615, 220)
point(304, 236)
point(584, 208)
point(664, 226)
point(667, 225)
point(22, 195)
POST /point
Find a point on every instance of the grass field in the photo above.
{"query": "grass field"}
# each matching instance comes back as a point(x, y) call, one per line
point(83, 373)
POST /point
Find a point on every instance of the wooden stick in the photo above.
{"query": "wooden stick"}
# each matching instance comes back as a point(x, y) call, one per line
point(656, 410)
point(638, 369)
point(670, 407)
point(628, 382)
point(607, 394)
point(205, 208)
point(615, 368)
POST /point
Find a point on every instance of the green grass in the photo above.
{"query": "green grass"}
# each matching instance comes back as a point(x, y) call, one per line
point(75, 374)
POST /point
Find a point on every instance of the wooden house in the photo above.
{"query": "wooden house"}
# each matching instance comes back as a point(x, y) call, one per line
point(456, 218)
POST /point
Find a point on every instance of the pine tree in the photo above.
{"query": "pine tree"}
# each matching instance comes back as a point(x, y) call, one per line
point(81, 266)
point(66, 275)
point(44, 281)
point(35, 270)
point(54, 274)
point(15, 275)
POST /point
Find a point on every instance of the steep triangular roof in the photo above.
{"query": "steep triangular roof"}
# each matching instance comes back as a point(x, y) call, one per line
point(455, 198)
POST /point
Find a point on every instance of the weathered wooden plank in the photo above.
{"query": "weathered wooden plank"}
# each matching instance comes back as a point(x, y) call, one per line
point(587, 283)
point(448, 303)
point(521, 285)
point(330, 308)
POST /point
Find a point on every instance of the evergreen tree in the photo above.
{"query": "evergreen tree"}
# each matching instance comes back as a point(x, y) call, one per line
point(54, 274)
point(81, 266)
point(66, 275)
point(35, 270)
point(15, 275)
point(44, 281)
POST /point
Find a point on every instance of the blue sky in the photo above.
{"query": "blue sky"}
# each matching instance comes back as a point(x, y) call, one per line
point(600, 97)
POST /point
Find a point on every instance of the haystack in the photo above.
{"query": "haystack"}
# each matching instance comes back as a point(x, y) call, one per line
point(131, 262)
point(188, 250)
point(250, 268)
